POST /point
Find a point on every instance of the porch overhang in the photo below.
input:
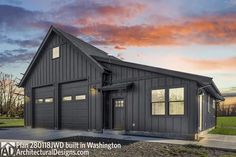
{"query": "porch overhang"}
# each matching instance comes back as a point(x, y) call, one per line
point(118, 86)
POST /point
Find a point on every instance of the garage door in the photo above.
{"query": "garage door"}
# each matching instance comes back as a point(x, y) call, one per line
point(44, 107)
point(74, 106)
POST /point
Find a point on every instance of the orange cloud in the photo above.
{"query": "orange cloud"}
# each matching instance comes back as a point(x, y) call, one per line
point(210, 64)
point(110, 14)
point(205, 30)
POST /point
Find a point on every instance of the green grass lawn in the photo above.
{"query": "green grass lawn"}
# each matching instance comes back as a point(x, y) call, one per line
point(225, 126)
point(226, 121)
point(10, 122)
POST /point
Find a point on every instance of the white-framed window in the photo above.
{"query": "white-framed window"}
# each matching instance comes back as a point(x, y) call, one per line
point(209, 104)
point(176, 101)
point(55, 52)
point(80, 97)
point(38, 101)
point(48, 100)
point(119, 103)
point(67, 98)
point(158, 102)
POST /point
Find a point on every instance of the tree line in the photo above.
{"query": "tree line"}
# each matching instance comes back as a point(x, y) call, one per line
point(229, 110)
point(11, 96)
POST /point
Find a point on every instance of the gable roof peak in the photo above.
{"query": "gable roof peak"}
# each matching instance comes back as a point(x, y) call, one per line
point(78, 43)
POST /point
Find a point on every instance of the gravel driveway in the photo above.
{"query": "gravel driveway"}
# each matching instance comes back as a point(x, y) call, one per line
point(139, 149)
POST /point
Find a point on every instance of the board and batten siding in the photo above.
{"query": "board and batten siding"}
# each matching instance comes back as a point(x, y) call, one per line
point(208, 119)
point(72, 65)
point(138, 101)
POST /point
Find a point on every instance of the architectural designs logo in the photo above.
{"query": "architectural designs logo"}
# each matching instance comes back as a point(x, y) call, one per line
point(7, 148)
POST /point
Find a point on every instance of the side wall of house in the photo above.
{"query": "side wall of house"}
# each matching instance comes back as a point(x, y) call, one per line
point(208, 112)
point(138, 101)
point(72, 65)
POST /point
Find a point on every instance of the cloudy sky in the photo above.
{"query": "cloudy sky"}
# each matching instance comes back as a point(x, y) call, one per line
point(197, 37)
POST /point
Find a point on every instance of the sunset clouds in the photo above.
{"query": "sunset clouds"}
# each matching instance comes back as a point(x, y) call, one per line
point(224, 64)
point(119, 24)
point(196, 31)
point(149, 32)
point(109, 14)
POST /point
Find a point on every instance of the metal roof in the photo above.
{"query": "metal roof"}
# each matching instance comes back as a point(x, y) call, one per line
point(83, 46)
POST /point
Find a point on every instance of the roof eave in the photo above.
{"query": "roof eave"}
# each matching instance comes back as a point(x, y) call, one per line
point(211, 88)
point(189, 76)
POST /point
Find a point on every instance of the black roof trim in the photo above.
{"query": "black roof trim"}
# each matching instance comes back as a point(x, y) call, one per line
point(211, 88)
point(202, 80)
point(156, 69)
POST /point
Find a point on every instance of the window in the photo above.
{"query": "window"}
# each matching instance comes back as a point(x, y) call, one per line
point(176, 101)
point(39, 101)
point(209, 104)
point(80, 97)
point(55, 52)
point(67, 98)
point(48, 100)
point(119, 103)
point(158, 102)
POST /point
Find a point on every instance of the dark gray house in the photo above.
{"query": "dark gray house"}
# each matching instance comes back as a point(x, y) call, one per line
point(71, 84)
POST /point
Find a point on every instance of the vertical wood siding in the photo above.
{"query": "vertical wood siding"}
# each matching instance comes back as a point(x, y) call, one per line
point(71, 65)
point(74, 65)
point(139, 101)
point(208, 119)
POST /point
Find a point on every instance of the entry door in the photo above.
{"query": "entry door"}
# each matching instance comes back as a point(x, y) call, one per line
point(200, 112)
point(119, 114)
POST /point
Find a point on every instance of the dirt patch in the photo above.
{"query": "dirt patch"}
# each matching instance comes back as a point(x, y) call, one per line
point(139, 149)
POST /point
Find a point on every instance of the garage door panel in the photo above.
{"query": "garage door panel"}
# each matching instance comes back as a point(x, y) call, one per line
point(73, 126)
point(78, 112)
point(44, 112)
point(76, 104)
point(73, 108)
point(80, 117)
point(74, 112)
point(84, 117)
point(44, 106)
